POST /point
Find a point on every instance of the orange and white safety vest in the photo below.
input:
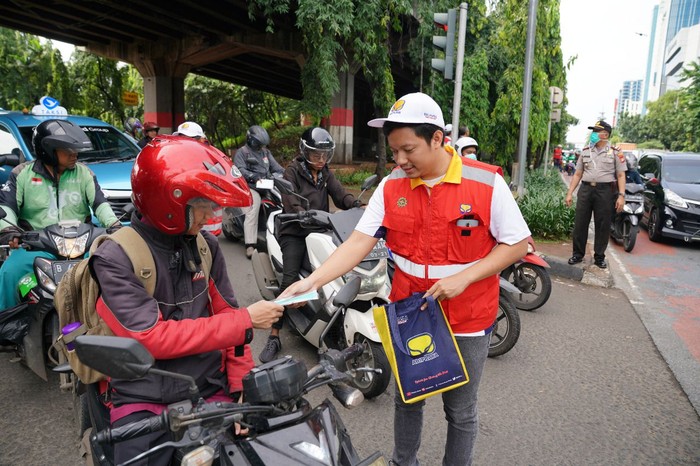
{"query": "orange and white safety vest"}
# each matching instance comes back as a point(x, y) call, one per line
point(438, 234)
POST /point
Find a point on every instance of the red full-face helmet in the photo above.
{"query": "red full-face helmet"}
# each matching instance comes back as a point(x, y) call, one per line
point(172, 170)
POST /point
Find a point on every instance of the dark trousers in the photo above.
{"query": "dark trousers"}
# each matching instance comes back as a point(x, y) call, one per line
point(124, 451)
point(293, 255)
point(597, 200)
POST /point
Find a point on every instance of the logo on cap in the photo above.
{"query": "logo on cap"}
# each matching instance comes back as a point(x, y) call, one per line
point(398, 105)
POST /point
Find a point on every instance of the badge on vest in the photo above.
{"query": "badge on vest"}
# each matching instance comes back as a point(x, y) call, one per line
point(402, 202)
point(465, 208)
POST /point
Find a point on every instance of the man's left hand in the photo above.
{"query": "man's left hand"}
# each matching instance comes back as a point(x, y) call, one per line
point(447, 288)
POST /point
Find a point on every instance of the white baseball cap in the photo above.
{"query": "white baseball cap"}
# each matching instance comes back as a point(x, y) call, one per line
point(412, 108)
point(190, 129)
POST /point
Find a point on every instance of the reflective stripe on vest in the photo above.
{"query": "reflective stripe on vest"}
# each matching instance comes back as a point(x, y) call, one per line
point(435, 272)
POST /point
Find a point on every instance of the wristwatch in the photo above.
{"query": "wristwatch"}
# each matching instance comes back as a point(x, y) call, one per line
point(620, 194)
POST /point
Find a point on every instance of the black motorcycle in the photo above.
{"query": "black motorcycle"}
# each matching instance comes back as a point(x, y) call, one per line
point(30, 328)
point(625, 225)
point(282, 426)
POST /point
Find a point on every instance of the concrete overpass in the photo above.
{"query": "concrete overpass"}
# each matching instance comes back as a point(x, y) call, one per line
point(167, 40)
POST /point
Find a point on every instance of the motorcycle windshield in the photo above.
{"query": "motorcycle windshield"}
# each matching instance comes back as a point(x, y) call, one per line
point(344, 222)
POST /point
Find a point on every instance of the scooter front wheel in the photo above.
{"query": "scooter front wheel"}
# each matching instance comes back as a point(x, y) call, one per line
point(629, 235)
point(371, 384)
point(506, 329)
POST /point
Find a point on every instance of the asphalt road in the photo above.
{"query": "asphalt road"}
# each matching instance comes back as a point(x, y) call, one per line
point(585, 385)
point(661, 280)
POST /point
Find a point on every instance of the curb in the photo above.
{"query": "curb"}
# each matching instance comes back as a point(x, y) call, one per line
point(562, 268)
point(588, 274)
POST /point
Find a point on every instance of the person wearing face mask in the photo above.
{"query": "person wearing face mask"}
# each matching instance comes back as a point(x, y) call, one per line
point(601, 171)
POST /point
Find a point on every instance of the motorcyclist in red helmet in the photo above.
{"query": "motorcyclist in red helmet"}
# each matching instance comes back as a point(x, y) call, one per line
point(190, 326)
point(150, 131)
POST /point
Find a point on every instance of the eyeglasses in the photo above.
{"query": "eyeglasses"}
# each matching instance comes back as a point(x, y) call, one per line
point(318, 156)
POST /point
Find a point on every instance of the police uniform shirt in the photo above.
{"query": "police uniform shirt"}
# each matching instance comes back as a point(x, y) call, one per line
point(600, 165)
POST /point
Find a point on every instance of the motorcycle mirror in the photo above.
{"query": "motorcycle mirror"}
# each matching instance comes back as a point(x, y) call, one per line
point(348, 292)
point(116, 357)
point(369, 182)
point(9, 159)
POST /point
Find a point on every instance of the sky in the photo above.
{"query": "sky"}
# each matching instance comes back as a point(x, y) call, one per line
point(603, 34)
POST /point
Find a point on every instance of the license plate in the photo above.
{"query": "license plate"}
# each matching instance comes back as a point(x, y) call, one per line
point(60, 268)
point(379, 251)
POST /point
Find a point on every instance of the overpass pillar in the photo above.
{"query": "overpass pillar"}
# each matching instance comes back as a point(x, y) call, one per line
point(164, 101)
point(341, 121)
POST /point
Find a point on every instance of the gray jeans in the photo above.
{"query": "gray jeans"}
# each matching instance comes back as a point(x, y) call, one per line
point(250, 224)
point(460, 412)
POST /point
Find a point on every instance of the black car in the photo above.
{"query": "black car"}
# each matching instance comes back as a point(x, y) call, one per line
point(671, 195)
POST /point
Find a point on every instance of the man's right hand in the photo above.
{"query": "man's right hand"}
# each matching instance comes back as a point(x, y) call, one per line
point(265, 313)
point(569, 199)
point(300, 287)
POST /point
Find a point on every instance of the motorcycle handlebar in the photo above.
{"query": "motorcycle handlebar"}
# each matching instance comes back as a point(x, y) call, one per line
point(132, 430)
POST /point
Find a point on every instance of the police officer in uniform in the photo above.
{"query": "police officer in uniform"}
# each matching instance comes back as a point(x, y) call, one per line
point(598, 168)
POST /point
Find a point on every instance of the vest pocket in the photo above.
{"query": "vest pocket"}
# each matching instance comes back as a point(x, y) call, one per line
point(468, 239)
point(399, 233)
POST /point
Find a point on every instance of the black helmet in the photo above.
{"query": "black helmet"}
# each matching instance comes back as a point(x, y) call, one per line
point(316, 140)
point(256, 137)
point(58, 134)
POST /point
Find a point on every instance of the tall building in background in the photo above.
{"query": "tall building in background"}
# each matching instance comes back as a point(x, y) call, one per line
point(674, 44)
point(629, 100)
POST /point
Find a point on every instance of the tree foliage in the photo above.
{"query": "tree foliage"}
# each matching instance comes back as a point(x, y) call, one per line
point(30, 70)
point(226, 110)
point(341, 35)
point(672, 122)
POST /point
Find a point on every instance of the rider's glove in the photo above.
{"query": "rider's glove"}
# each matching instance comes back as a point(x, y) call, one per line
point(9, 233)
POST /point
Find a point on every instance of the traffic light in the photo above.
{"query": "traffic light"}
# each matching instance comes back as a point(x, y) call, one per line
point(447, 22)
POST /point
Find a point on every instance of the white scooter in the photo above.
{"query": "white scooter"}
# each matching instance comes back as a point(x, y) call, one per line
point(320, 322)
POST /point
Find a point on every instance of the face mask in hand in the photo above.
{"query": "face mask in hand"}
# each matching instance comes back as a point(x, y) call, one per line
point(594, 138)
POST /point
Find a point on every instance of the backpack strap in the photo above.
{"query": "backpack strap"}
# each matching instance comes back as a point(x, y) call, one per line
point(205, 255)
point(138, 252)
point(141, 258)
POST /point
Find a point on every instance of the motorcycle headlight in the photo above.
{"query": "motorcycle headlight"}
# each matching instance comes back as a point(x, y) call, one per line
point(202, 456)
point(44, 278)
point(71, 247)
point(370, 283)
point(674, 200)
point(639, 210)
point(627, 209)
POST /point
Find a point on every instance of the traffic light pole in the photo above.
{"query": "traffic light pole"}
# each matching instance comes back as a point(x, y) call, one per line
point(527, 94)
point(460, 69)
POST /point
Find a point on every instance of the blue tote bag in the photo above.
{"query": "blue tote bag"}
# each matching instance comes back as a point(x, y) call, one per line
point(420, 347)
